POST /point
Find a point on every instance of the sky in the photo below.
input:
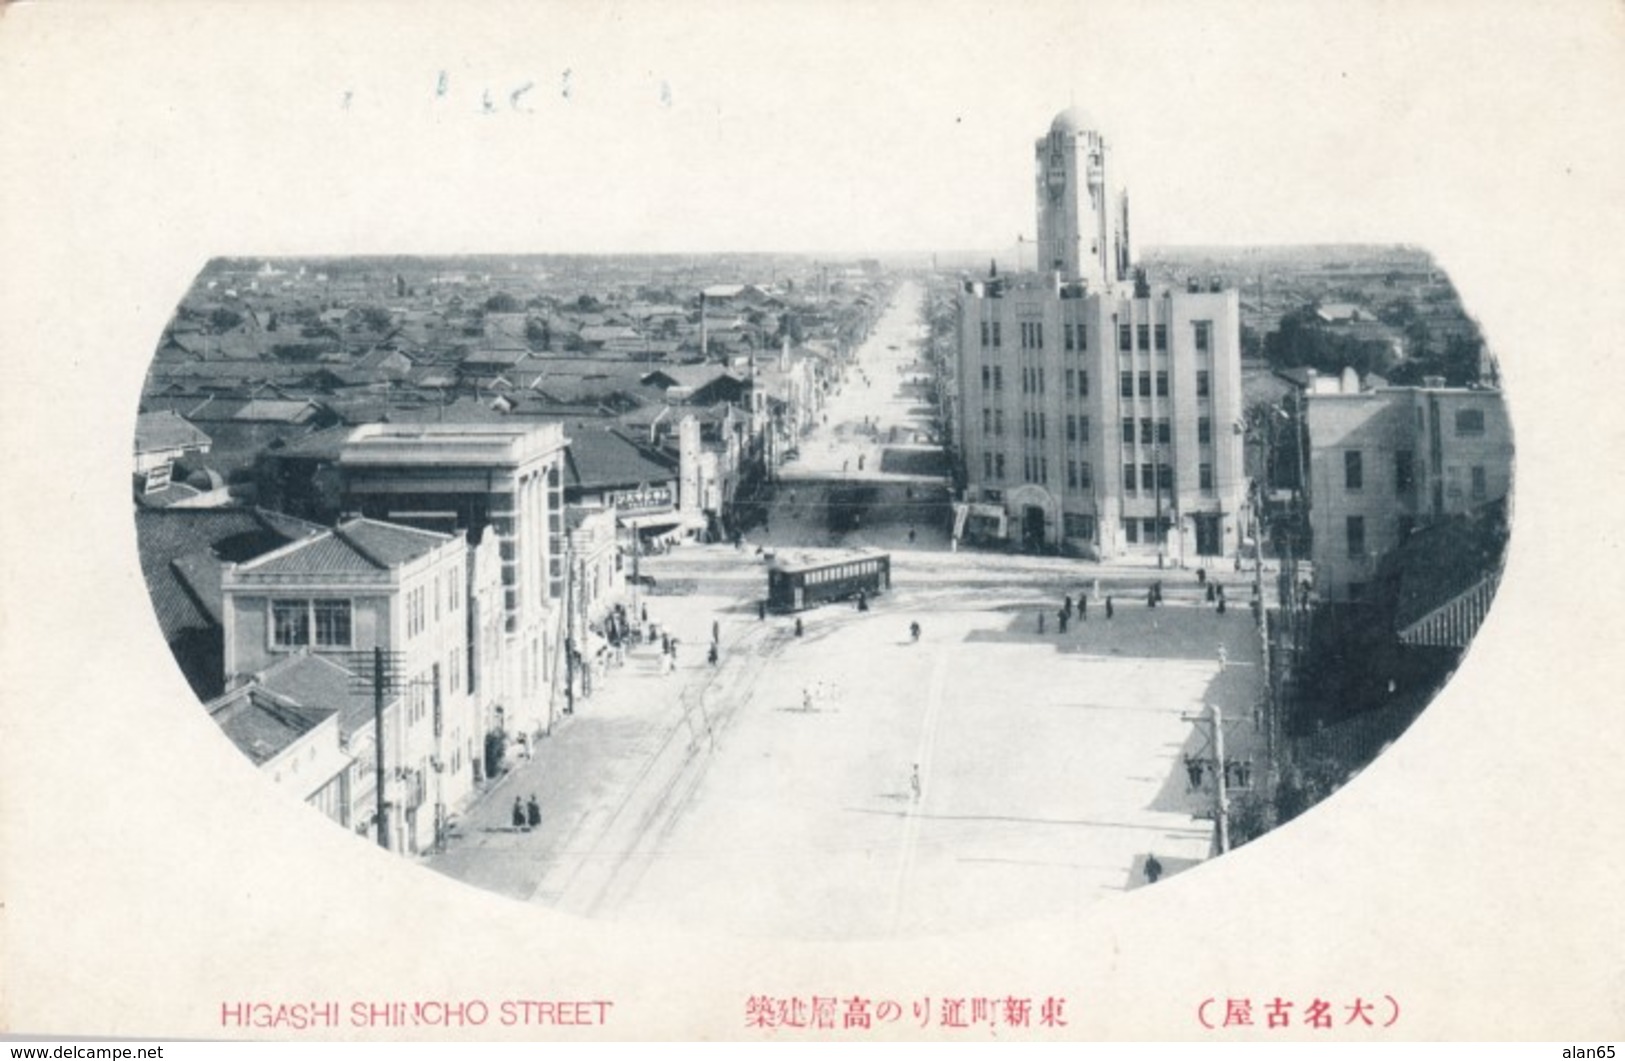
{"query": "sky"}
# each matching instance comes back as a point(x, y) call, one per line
point(836, 127)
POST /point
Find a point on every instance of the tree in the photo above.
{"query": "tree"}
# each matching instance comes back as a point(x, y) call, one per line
point(224, 319)
point(502, 302)
point(538, 334)
point(376, 318)
point(588, 304)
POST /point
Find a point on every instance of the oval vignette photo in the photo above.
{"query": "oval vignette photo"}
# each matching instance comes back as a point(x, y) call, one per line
point(822, 596)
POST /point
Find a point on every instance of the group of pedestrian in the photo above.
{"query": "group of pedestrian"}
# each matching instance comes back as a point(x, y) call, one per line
point(526, 816)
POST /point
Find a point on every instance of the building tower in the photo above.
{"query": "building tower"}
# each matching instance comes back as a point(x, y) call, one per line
point(1097, 416)
point(1082, 208)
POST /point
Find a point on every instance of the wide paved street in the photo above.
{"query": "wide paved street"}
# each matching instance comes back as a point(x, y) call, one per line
point(1049, 765)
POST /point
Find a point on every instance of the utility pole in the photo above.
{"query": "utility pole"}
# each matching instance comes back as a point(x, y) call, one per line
point(378, 745)
point(439, 765)
point(1222, 787)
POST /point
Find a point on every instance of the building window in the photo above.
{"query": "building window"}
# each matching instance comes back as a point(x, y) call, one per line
point(1148, 477)
point(1353, 470)
point(1356, 591)
point(1128, 431)
point(987, 378)
point(1204, 335)
point(1204, 430)
point(1162, 384)
point(1038, 334)
point(1086, 476)
point(1026, 424)
point(1355, 529)
point(1071, 428)
point(986, 334)
point(1078, 526)
point(1202, 384)
point(1149, 530)
point(1469, 422)
point(1480, 483)
point(998, 466)
point(1162, 336)
point(1043, 470)
point(1066, 337)
point(996, 336)
point(1083, 429)
point(1204, 473)
point(290, 623)
point(1072, 475)
point(1131, 531)
point(1128, 479)
point(1148, 431)
point(1125, 338)
point(1071, 383)
point(1125, 381)
point(1404, 471)
point(1043, 425)
point(1165, 477)
point(998, 377)
point(1143, 333)
point(998, 422)
point(1083, 383)
point(1145, 384)
point(332, 622)
point(1040, 379)
point(987, 465)
point(1165, 432)
point(987, 421)
point(1083, 337)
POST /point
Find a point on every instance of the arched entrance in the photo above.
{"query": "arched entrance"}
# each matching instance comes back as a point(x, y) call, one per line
point(1035, 515)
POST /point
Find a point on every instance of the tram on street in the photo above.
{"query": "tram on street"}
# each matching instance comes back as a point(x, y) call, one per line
point(798, 582)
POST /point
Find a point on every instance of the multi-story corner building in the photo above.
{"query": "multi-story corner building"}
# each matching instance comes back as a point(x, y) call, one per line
point(362, 594)
point(1387, 461)
point(1097, 416)
point(500, 479)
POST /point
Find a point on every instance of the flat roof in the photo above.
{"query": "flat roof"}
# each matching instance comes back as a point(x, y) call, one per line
point(397, 445)
point(810, 559)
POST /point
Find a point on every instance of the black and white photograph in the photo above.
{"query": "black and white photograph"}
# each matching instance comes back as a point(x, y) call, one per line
point(782, 522)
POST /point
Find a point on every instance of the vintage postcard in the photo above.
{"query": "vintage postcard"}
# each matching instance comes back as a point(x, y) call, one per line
point(855, 522)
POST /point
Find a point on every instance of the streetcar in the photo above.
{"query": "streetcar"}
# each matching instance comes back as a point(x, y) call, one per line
point(798, 582)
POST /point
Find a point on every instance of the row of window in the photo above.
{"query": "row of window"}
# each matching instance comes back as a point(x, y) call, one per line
point(1076, 336)
point(840, 572)
point(1404, 472)
point(1145, 478)
point(1157, 383)
point(300, 623)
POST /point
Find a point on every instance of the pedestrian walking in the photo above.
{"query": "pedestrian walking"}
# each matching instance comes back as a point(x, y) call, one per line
point(761, 610)
point(914, 631)
point(1083, 608)
point(1151, 598)
point(665, 644)
point(1066, 606)
point(914, 782)
point(798, 626)
point(1109, 608)
point(1040, 622)
point(716, 631)
point(1221, 605)
point(518, 814)
point(644, 613)
point(1211, 596)
point(1153, 869)
point(711, 656)
point(911, 535)
point(1224, 657)
point(1201, 576)
point(1061, 619)
point(533, 812)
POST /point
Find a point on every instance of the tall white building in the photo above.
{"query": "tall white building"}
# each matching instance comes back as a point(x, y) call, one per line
point(1099, 417)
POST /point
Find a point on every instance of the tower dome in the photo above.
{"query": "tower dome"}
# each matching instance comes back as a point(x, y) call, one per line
point(1073, 120)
